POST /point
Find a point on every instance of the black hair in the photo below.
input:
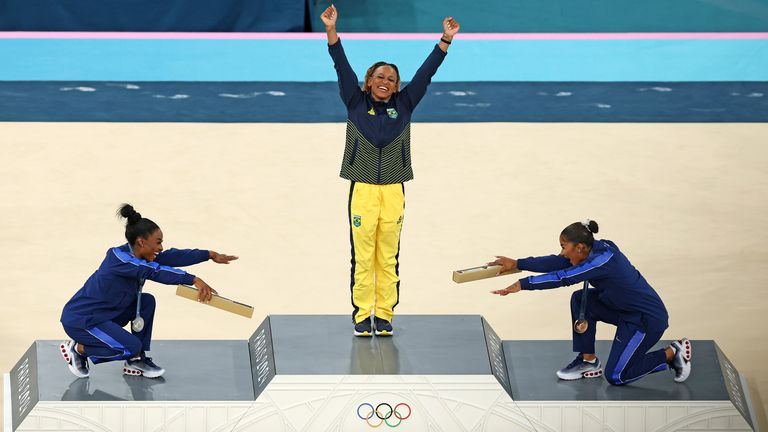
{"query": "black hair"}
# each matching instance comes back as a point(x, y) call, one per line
point(372, 69)
point(136, 226)
point(581, 232)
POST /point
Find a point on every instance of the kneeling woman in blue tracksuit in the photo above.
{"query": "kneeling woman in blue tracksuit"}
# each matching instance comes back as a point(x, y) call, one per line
point(111, 299)
point(621, 296)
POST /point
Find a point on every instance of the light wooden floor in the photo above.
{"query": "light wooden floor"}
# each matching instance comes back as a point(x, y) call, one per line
point(686, 202)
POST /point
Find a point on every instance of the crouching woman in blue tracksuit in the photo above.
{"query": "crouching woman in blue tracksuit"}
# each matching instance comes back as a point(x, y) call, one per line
point(111, 299)
point(621, 296)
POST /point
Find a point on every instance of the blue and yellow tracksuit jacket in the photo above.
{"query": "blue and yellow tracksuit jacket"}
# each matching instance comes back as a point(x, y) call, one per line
point(378, 149)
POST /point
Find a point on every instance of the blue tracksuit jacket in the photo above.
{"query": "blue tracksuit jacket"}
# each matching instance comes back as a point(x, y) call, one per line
point(618, 283)
point(115, 285)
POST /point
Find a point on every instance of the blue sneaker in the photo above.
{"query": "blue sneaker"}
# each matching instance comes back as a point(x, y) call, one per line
point(382, 327)
point(580, 368)
point(363, 328)
point(142, 366)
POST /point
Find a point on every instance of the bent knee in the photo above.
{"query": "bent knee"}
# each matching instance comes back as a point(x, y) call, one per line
point(576, 297)
point(614, 379)
point(147, 300)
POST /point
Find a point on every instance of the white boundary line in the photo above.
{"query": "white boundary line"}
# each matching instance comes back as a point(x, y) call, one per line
point(7, 405)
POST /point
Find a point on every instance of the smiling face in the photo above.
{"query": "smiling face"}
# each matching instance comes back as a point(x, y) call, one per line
point(148, 248)
point(383, 82)
point(575, 253)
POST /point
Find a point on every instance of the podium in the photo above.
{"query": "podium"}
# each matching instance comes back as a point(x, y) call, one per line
point(309, 373)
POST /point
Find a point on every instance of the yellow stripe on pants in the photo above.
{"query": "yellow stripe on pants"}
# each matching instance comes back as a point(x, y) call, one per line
point(375, 221)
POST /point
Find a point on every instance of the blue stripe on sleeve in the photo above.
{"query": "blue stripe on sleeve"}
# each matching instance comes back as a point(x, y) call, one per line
point(574, 271)
point(130, 259)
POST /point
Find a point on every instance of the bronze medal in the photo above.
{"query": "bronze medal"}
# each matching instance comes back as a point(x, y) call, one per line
point(580, 326)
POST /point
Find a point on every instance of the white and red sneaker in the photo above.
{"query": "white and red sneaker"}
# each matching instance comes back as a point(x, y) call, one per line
point(76, 362)
point(681, 362)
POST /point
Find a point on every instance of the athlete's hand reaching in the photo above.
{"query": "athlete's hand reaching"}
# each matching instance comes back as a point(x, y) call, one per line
point(515, 287)
point(507, 264)
point(221, 258)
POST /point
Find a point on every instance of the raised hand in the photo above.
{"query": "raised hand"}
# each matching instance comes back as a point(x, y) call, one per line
point(329, 16)
point(450, 27)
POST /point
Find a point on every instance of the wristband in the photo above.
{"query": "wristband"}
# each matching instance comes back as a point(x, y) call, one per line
point(445, 41)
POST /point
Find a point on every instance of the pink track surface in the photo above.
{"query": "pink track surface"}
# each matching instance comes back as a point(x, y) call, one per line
point(377, 36)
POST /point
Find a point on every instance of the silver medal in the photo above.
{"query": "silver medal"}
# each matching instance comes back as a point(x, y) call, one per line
point(137, 324)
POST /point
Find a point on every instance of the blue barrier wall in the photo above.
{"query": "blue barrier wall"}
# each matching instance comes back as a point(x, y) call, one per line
point(496, 16)
point(149, 15)
point(556, 16)
point(307, 60)
point(310, 102)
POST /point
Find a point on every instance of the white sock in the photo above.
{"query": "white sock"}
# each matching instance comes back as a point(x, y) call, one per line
point(591, 361)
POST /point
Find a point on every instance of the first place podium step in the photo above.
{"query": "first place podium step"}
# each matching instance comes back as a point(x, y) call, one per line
point(309, 373)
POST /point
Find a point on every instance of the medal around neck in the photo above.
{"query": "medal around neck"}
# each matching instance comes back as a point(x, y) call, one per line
point(137, 324)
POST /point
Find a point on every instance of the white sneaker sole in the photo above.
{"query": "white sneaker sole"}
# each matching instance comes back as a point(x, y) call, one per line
point(573, 377)
point(67, 358)
point(384, 333)
point(687, 355)
point(363, 334)
point(127, 370)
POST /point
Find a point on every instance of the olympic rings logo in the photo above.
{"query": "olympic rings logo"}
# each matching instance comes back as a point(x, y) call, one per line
point(383, 412)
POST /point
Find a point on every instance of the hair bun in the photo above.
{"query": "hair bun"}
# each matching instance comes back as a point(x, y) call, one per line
point(127, 211)
point(591, 225)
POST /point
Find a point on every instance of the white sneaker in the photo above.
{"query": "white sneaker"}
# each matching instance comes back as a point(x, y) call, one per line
point(681, 362)
point(580, 368)
point(76, 362)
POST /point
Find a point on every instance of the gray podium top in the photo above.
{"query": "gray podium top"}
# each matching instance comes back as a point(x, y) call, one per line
point(423, 344)
point(195, 371)
point(532, 366)
point(325, 345)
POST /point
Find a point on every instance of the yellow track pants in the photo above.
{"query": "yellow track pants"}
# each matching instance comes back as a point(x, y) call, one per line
point(375, 221)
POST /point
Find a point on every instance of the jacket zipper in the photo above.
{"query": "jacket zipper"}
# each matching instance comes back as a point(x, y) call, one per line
point(378, 175)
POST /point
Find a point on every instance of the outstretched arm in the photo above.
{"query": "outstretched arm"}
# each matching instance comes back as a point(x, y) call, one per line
point(417, 88)
point(328, 17)
point(594, 267)
point(544, 264)
point(221, 258)
point(348, 86)
point(182, 257)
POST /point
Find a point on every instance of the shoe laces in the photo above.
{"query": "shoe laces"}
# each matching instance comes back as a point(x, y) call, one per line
point(577, 361)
